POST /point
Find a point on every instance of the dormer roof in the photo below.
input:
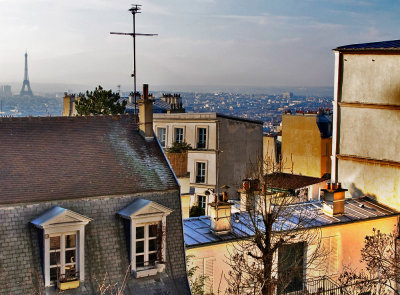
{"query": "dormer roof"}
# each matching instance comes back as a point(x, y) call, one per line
point(58, 216)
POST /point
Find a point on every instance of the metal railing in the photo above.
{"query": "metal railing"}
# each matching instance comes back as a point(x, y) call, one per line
point(319, 286)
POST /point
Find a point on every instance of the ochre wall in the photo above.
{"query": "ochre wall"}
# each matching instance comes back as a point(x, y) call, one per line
point(302, 146)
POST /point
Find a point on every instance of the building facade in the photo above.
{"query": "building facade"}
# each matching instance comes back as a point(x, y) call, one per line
point(223, 149)
point(306, 143)
point(341, 240)
point(87, 199)
point(366, 123)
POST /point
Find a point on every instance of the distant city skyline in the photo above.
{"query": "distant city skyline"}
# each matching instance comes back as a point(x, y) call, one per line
point(201, 42)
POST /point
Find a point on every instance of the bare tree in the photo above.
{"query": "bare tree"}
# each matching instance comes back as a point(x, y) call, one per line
point(281, 239)
point(380, 255)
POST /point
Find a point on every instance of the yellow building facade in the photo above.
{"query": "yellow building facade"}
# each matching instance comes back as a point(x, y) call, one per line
point(306, 144)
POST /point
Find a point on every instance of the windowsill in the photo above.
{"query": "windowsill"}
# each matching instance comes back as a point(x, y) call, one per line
point(149, 272)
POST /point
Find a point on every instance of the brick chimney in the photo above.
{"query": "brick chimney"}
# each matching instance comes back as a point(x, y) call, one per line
point(334, 197)
point(69, 105)
point(146, 114)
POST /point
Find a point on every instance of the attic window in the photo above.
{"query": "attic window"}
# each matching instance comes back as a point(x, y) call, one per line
point(147, 236)
point(63, 244)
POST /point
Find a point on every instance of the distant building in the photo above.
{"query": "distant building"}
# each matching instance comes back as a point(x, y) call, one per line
point(287, 94)
point(223, 149)
point(366, 122)
point(306, 143)
point(271, 152)
point(5, 91)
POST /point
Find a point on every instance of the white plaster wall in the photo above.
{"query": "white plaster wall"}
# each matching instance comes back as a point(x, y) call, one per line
point(373, 133)
point(211, 164)
point(189, 131)
point(380, 182)
point(371, 78)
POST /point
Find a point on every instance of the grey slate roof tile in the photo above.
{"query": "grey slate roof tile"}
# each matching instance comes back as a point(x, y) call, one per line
point(72, 157)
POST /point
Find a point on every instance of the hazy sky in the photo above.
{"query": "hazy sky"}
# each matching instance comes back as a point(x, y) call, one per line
point(200, 42)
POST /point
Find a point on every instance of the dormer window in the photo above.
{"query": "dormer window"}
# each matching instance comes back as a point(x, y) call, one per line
point(63, 244)
point(147, 223)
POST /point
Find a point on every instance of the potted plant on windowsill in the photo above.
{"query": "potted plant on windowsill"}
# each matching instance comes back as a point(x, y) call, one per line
point(68, 281)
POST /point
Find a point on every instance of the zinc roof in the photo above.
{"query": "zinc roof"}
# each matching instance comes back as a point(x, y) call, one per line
point(382, 45)
point(197, 229)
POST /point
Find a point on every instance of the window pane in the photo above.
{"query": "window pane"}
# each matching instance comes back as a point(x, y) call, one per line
point(140, 232)
point(54, 258)
point(70, 241)
point(54, 272)
point(202, 135)
point(55, 243)
point(153, 245)
point(153, 230)
point(70, 256)
point(201, 172)
point(140, 247)
point(139, 260)
point(152, 258)
point(161, 136)
point(179, 135)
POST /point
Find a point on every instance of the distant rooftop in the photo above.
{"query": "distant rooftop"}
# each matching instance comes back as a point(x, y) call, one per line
point(383, 45)
point(287, 181)
point(203, 116)
point(197, 229)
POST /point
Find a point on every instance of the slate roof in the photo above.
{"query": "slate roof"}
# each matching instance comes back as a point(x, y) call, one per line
point(287, 181)
point(197, 229)
point(383, 45)
point(48, 158)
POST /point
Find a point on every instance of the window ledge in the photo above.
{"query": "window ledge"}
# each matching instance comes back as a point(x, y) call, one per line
point(150, 272)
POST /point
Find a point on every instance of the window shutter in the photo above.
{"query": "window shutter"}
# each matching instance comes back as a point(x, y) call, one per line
point(209, 274)
point(330, 247)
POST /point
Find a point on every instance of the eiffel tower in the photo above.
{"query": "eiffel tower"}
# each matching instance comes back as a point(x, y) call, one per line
point(26, 83)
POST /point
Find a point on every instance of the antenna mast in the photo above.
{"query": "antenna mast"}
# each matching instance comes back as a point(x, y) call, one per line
point(134, 10)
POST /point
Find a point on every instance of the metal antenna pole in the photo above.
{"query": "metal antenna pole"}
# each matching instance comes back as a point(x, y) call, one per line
point(134, 10)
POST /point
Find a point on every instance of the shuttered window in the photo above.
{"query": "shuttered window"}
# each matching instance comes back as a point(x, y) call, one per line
point(205, 267)
point(330, 247)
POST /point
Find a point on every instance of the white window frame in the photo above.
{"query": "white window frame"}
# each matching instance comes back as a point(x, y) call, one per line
point(198, 137)
point(144, 212)
point(63, 264)
point(175, 134)
point(201, 203)
point(197, 171)
point(60, 221)
point(165, 136)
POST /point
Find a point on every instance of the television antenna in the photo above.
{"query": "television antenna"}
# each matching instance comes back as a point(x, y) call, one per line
point(134, 10)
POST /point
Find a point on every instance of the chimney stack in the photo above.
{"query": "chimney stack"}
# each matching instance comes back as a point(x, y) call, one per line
point(146, 114)
point(220, 215)
point(334, 197)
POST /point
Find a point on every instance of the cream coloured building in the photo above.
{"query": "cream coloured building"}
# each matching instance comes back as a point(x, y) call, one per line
point(366, 123)
point(342, 238)
point(223, 150)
